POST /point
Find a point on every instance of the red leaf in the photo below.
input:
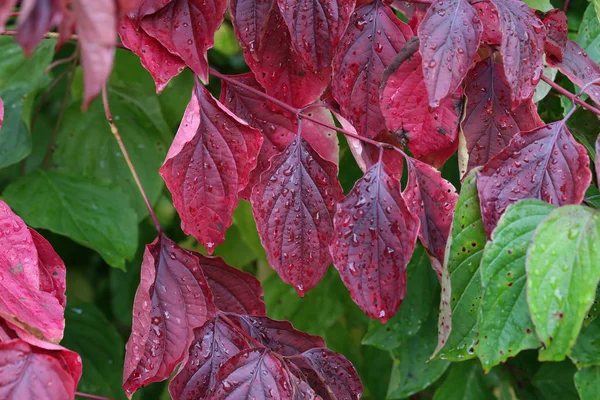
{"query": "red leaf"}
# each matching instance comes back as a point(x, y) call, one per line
point(330, 374)
point(161, 64)
point(415, 12)
point(488, 16)
point(172, 299)
point(431, 133)
point(372, 40)
point(208, 164)
point(293, 206)
point(28, 372)
point(253, 374)
point(433, 199)
point(301, 389)
point(52, 270)
point(214, 343)
point(249, 19)
point(278, 336)
point(233, 290)
point(580, 69)
point(186, 28)
point(557, 31)
point(316, 27)
point(489, 122)
point(375, 238)
point(6, 8)
point(1, 110)
point(37, 17)
point(523, 37)
point(546, 164)
point(367, 155)
point(96, 22)
point(449, 38)
point(598, 160)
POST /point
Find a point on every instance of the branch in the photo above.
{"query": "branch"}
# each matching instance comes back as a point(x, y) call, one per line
point(91, 396)
point(136, 178)
point(574, 98)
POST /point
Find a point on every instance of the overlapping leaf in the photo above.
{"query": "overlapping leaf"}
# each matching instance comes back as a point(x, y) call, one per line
point(250, 19)
point(488, 15)
point(52, 271)
point(557, 31)
point(35, 19)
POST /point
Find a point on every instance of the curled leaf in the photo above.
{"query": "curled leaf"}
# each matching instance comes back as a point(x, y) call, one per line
point(557, 31)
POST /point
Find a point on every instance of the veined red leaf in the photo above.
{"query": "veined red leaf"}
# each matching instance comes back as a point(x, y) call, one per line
point(557, 31)
point(31, 373)
point(432, 134)
point(373, 38)
point(36, 17)
point(52, 270)
point(249, 19)
point(253, 374)
point(489, 122)
point(208, 164)
point(546, 164)
point(433, 199)
point(278, 336)
point(233, 290)
point(172, 299)
point(415, 12)
point(301, 389)
point(316, 27)
point(375, 235)
point(367, 155)
point(449, 38)
point(161, 64)
point(293, 207)
point(580, 69)
point(214, 343)
point(187, 28)
point(523, 37)
point(490, 22)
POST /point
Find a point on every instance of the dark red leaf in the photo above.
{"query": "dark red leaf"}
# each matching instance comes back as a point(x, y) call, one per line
point(598, 161)
point(522, 47)
point(373, 38)
point(316, 27)
point(415, 12)
point(580, 69)
point(330, 374)
point(432, 134)
point(187, 28)
point(161, 64)
point(37, 17)
point(449, 38)
point(249, 19)
point(208, 164)
point(172, 299)
point(432, 199)
point(375, 235)
point(31, 373)
point(213, 344)
point(233, 290)
point(489, 20)
point(278, 336)
point(52, 271)
point(253, 374)
point(293, 207)
point(557, 32)
point(301, 389)
point(546, 164)
point(489, 122)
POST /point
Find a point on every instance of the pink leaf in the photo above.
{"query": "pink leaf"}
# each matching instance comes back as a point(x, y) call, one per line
point(213, 344)
point(31, 373)
point(522, 47)
point(545, 163)
point(208, 164)
point(449, 38)
point(293, 206)
point(37, 17)
point(557, 32)
point(488, 15)
point(432, 134)
point(52, 270)
point(6, 8)
point(375, 235)
point(598, 161)
point(172, 299)
point(489, 122)
point(187, 28)
point(316, 27)
point(372, 40)
point(96, 22)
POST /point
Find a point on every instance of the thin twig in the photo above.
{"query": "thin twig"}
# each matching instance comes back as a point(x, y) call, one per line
point(91, 396)
point(566, 6)
point(59, 62)
point(136, 178)
point(570, 95)
point(47, 35)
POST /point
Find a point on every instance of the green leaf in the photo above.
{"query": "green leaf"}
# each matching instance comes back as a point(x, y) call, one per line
point(85, 210)
point(542, 5)
point(589, 33)
point(504, 324)
point(594, 310)
point(592, 196)
point(416, 307)
point(461, 280)
point(586, 351)
point(587, 382)
point(464, 381)
point(90, 334)
point(597, 6)
point(584, 126)
point(17, 69)
point(555, 381)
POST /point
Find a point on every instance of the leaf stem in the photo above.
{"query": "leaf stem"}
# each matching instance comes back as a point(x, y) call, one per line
point(566, 6)
point(574, 98)
point(91, 396)
point(136, 178)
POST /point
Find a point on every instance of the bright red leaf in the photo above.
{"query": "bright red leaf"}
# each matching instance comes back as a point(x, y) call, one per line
point(375, 235)
point(489, 122)
point(36, 17)
point(208, 164)
point(432, 134)
point(490, 22)
point(557, 32)
point(522, 47)
point(373, 38)
point(546, 164)
point(172, 299)
point(449, 38)
point(52, 270)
